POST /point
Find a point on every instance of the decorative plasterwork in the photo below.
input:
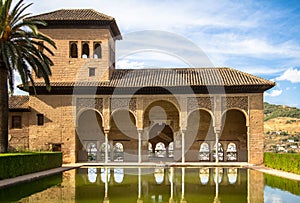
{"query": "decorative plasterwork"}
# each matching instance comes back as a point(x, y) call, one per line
point(123, 103)
point(200, 102)
point(93, 103)
point(240, 102)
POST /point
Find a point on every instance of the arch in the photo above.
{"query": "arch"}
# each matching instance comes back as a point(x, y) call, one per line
point(204, 152)
point(85, 51)
point(124, 109)
point(234, 129)
point(237, 109)
point(88, 109)
point(199, 130)
point(161, 135)
point(231, 152)
point(123, 130)
point(204, 109)
point(97, 50)
point(158, 100)
point(160, 149)
point(73, 52)
point(118, 152)
point(89, 135)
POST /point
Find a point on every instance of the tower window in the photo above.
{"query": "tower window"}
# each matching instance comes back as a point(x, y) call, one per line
point(85, 50)
point(73, 50)
point(97, 50)
point(92, 72)
point(16, 122)
point(40, 119)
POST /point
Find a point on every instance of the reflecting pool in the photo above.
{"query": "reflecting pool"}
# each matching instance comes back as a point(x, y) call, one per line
point(151, 185)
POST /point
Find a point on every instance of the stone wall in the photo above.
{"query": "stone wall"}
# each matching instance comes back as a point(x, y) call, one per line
point(18, 138)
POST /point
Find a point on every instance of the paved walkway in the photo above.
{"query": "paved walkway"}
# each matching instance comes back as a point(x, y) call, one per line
point(30, 177)
point(283, 174)
point(65, 167)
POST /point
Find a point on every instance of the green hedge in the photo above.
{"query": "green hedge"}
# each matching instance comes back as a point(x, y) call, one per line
point(16, 164)
point(285, 162)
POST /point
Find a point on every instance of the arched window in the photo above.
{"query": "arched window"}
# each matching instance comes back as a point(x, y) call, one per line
point(73, 50)
point(204, 152)
point(85, 50)
point(92, 151)
point(231, 152)
point(171, 149)
point(220, 152)
point(118, 152)
point(97, 50)
point(160, 150)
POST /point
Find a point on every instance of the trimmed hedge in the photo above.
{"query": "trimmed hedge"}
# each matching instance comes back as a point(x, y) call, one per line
point(284, 162)
point(16, 164)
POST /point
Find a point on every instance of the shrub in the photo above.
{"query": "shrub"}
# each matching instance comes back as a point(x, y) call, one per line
point(285, 162)
point(16, 164)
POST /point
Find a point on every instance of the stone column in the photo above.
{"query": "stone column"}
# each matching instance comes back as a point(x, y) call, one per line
point(182, 145)
point(140, 131)
point(111, 144)
point(217, 133)
point(106, 145)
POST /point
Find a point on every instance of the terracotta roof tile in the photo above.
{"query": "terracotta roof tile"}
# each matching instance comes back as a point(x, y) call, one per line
point(73, 14)
point(174, 77)
point(18, 102)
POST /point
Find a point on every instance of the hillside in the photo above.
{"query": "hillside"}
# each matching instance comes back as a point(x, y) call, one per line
point(282, 128)
point(275, 111)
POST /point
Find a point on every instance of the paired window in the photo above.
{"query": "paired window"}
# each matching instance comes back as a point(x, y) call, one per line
point(85, 50)
point(73, 50)
point(16, 122)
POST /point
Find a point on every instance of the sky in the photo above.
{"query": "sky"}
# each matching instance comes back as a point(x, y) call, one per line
point(258, 37)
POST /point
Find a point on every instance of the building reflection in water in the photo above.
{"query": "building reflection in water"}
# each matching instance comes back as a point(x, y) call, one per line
point(95, 184)
point(171, 185)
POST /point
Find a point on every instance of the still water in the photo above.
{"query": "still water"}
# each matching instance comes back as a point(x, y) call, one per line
point(151, 185)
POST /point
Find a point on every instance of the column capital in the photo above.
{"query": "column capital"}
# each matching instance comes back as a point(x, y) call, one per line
point(182, 130)
point(140, 130)
point(106, 131)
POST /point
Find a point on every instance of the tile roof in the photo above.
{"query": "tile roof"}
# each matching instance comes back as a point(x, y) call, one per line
point(78, 17)
point(174, 77)
point(20, 102)
point(73, 14)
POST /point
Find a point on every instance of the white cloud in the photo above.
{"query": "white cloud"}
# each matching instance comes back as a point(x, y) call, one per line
point(273, 93)
point(126, 64)
point(291, 74)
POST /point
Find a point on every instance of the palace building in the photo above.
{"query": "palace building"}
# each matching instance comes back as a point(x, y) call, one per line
point(97, 113)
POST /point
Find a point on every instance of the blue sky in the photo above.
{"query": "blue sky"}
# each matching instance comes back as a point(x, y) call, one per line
point(258, 37)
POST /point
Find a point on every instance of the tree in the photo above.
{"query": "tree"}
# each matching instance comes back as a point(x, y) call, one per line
point(21, 50)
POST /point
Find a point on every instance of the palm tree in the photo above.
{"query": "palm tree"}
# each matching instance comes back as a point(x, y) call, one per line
point(20, 50)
